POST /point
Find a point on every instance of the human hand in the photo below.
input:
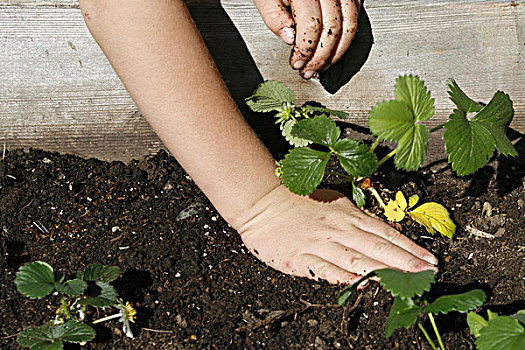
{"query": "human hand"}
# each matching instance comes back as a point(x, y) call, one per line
point(325, 237)
point(320, 30)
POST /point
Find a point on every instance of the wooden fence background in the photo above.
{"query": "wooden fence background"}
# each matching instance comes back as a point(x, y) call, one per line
point(58, 92)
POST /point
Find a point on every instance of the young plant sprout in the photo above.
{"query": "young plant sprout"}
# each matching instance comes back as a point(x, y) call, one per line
point(410, 301)
point(472, 134)
point(90, 288)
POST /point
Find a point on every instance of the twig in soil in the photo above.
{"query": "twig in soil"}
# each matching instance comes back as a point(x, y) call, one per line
point(10, 336)
point(27, 205)
point(478, 233)
point(278, 315)
point(348, 310)
point(156, 330)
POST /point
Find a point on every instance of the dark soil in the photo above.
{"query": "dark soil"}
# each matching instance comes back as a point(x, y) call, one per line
point(191, 277)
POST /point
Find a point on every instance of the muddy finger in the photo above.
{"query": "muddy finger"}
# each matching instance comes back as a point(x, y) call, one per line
point(308, 26)
point(330, 34)
point(350, 13)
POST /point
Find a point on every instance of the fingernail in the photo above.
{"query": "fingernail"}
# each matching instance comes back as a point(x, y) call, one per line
point(288, 35)
point(432, 259)
point(308, 74)
point(298, 64)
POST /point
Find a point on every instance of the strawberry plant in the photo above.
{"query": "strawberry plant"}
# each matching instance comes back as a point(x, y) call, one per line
point(91, 287)
point(474, 131)
point(410, 300)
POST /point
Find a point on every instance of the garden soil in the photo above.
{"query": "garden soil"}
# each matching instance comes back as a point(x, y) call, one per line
point(193, 282)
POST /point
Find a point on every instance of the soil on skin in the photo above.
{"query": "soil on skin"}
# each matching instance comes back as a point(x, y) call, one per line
point(192, 281)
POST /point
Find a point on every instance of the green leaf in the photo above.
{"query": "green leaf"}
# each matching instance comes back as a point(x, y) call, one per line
point(333, 112)
point(42, 337)
point(286, 130)
point(100, 294)
point(491, 315)
point(460, 99)
point(98, 272)
point(476, 323)
point(35, 280)
point(457, 302)
point(71, 288)
point(495, 117)
point(406, 284)
point(412, 90)
point(412, 148)
point(76, 332)
point(50, 336)
point(502, 333)
point(403, 313)
point(390, 120)
point(355, 157)
point(469, 144)
point(358, 195)
point(303, 169)
point(520, 316)
point(270, 96)
point(320, 130)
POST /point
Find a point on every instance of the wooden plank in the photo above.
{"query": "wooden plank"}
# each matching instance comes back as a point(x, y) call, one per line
point(59, 93)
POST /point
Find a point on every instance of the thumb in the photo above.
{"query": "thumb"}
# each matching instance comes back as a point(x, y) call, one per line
point(277, 19)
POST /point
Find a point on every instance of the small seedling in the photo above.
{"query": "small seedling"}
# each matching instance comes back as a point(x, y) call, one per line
point(498, 332)
point(472, 134)
point(410, 302)
point(90, 288)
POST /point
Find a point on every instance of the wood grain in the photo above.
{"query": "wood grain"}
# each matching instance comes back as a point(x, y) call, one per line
point(59, 93)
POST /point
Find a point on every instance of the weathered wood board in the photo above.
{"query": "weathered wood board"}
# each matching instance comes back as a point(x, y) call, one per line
point(58, 92)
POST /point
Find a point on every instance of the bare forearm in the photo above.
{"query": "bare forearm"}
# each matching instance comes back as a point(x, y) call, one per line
point(159, 55)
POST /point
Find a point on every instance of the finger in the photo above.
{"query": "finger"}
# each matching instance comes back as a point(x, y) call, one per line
point(382, 250)
point(308, 23)
point(348, 259)
point(330, 34)
point(383, 230)
point(277, 19)
point(350, 12)
point(317, 268)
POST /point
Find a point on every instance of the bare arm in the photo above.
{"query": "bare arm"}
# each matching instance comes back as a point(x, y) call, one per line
point(162, 60)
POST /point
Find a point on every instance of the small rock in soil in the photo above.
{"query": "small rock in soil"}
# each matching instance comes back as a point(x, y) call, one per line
point(191, 210)
point(487, 210)
point(497, 221)
point(500, 232)
point(320, 343)
point(312, 322)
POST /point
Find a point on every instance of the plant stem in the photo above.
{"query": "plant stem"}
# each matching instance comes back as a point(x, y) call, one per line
point(107, 318)
point(431, 318)
point(387, 157)
point(64, 307)
point(436, 128)
point(377, 197)
point(374, 145)
point(426, 336)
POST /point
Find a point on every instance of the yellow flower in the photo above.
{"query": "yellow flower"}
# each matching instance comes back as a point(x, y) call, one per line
point(127, 314)
point(130, 311)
